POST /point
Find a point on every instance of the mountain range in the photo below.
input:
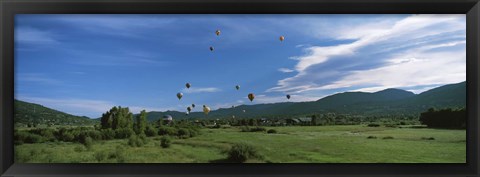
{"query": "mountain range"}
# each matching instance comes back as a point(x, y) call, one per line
point(385, 102)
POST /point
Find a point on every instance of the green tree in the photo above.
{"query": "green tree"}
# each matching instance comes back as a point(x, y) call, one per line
point(314, 120)
point(117, 118)
point(141, 122)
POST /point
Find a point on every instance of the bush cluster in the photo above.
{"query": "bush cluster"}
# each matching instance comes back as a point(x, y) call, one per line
point(272, 131)
point(387, 137)
point(242, 152)
point(181, 132)
point(165, 142)
point(253, 129)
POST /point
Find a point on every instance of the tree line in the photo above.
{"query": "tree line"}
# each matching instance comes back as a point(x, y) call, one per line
point(444, 118)
point(117, 123)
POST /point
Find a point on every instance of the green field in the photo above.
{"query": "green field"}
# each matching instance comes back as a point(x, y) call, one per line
point(295, 144)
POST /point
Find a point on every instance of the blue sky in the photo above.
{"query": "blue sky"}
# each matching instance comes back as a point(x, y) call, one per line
point(85, 64)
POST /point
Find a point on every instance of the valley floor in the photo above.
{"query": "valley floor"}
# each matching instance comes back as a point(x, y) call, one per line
point(299, 144)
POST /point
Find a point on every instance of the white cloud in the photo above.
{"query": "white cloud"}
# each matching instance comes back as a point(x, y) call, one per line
point(201, 90)
point(416, 69)
point(403, 62)
point(285, 70)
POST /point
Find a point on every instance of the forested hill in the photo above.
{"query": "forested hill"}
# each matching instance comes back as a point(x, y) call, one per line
point(30, 114)
point(385, 102)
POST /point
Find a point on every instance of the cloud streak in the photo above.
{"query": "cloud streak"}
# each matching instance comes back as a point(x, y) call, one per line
point(285, 70)
point(416, 50)
point(201, 90)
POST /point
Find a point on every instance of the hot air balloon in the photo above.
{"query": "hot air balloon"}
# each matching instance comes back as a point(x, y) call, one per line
point(189, 109)
point(187, 85)
point(237, 87)
point(244, 110)
point(217, 32)
point(206, 109)
point(288, 96)
point(282, 38)
point(211, 48)
point(251, 96)
point(179, 95)
point(193, 105)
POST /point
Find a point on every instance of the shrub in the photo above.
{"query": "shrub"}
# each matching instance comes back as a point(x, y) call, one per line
point(143, 138)
point(272, 131)
point(108, 134)
point(183, 133)
point(373, 125)
point(371, 137)
point(391, 125)
point(78, 149)
point(193, 132)
point(120, 154)
point(258, 129)
point(21, 137)
point(101, 155)
point(135, 141)
point(33, 138)
point(123, 133)
point(95, 134)
point(46, 133)
point(165, 142)
point(67, 137)
point(167, 131)
point(245, 129)
point(242, 152)
point(254, 129)
point(150, 131)
point(387, 137)
point(88, 142)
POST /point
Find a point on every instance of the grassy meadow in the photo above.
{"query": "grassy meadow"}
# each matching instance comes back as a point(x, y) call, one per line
point(290, 144)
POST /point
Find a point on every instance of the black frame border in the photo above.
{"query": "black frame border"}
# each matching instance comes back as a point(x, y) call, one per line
point(8, 9)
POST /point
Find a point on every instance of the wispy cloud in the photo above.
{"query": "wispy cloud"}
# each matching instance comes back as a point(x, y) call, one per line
point(285, 70)
point(116, 25)
point(36, 77)
point(419, 49)
point(30, 35)
point(201, 90)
